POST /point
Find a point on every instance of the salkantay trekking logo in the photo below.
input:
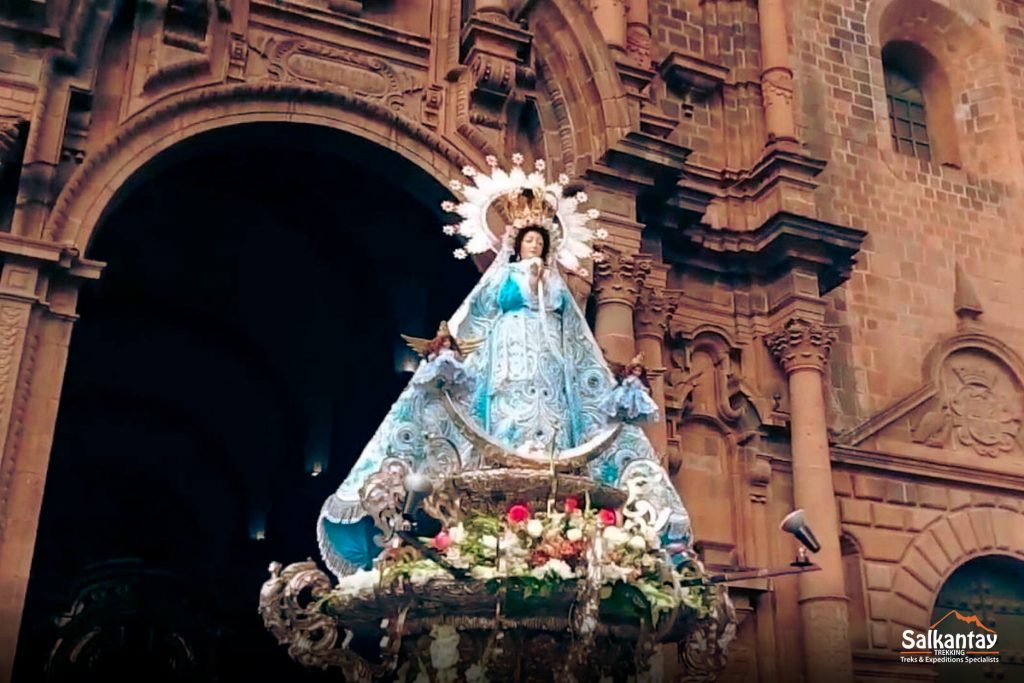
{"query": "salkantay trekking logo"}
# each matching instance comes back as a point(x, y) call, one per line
point(933, 647)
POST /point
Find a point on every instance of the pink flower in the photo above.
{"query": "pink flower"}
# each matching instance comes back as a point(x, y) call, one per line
point(442, 540)
point(517, 514)
point(606, 517)
point(572, 504)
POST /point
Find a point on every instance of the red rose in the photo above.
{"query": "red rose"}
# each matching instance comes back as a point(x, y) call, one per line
point(442, 540)
point(606, 517)
point(572, 504)
point(517, 514)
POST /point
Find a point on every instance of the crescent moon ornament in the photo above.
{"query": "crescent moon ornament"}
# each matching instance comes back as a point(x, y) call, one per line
point(563, 461)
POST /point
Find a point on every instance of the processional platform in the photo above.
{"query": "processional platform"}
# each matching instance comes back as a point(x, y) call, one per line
point(538, 575)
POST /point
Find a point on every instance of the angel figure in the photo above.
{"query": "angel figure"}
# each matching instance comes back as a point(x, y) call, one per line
point(631, 400)
point(443, 365)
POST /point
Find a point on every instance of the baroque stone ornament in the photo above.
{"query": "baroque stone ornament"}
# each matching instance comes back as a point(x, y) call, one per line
point(654, 312)
point(982, 419)
point(620, 277)
point(801, 344)
point(293, 60)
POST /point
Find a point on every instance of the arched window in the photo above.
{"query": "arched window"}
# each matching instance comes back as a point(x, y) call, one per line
point(920, 104)
point(907, 122)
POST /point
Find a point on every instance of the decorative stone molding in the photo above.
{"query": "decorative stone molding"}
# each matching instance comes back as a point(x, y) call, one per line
point(80, 191)
point(979, 406)
point(366, 75)
point(906, 568)
point(691, 77)
point(620, 277)
point(801, 344)
point(972, 399)
point(759, 476)
point(654, 312)
point(494, 47)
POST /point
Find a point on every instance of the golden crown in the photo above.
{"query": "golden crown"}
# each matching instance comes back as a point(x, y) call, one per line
point(526, 206)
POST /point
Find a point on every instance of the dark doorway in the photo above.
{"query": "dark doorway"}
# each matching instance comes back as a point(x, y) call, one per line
point(227, 369)
point(990, 588)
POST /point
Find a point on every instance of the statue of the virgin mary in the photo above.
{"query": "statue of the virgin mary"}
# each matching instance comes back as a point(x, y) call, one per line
point(536, 380)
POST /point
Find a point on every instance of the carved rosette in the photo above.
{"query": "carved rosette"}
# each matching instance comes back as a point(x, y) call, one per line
point(619, 278)
point(801, 344)
point(654, 312)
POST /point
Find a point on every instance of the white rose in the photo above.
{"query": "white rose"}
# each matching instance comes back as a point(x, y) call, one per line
point(457, 533)
point(535, 528)
point(638, 543)
point(574, 534)
point(615, 536)
point(489, 542)
point(561, 568)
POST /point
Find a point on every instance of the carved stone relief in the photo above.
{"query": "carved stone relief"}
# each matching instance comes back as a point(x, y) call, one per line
point(978, 406)
point(296, 60)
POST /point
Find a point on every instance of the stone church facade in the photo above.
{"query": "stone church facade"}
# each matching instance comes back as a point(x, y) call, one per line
point(816, 240)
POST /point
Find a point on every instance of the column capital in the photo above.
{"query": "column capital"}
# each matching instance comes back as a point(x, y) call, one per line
point(654, 311)
point(801, 344)
point(620, 277)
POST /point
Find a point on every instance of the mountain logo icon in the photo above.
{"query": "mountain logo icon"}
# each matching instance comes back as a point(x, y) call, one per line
point(972, 620)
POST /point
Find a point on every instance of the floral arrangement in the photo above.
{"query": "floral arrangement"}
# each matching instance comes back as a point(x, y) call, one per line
point(532, 553)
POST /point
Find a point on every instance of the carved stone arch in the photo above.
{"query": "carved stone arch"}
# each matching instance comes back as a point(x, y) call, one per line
point(932, 555)
point(554, 113)
point(986, 343)
point(82, 202)
point(579, 71)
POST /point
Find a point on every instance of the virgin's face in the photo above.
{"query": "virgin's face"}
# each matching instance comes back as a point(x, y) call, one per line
point(532, 245)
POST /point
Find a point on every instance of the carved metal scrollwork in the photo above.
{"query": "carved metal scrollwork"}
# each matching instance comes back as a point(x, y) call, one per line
point(288, 605)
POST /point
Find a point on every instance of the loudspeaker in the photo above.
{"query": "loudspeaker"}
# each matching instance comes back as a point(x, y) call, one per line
point(795, 523)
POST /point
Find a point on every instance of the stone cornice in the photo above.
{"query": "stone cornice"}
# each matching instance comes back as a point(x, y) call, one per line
point(784, 242)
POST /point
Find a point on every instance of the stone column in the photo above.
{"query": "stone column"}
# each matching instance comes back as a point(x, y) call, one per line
point(610, 16)
point(653, 314)
point(38, 294)
point(776, 77)
point(638, 33)
point(618, 279)
point(802, 349)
